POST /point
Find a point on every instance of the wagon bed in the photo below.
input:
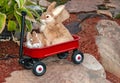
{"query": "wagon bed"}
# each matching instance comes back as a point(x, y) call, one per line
point(51, 50)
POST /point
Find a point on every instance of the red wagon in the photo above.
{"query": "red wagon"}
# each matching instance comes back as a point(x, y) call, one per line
point(31, 58)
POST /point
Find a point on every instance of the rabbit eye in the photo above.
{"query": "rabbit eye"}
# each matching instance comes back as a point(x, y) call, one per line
point(47, 16)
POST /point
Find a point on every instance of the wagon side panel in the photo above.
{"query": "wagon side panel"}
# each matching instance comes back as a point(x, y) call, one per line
point(51, 50)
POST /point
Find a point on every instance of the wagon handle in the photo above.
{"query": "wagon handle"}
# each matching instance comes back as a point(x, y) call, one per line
point(22, 34)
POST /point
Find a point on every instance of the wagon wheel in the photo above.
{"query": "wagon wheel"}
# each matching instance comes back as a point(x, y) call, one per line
point(39, 68)
point(77, 57)
point(27, 63)
point(35, 60)
point(63, 55)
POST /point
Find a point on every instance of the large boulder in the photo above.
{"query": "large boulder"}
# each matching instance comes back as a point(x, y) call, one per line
point(109, 45)
point(92, 64)
point(77, 6)
point(59, 71)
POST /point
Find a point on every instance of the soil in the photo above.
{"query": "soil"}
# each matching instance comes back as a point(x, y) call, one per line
point(9, 50)
point(8, 59)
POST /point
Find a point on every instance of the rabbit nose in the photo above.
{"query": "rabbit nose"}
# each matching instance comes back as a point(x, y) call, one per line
point(42, 21)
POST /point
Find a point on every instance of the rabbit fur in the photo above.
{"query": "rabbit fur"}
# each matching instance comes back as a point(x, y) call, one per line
point(52, 27)
point(52, 31)
point(35, 40)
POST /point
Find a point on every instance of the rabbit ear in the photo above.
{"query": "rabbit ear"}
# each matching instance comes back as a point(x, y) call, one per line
point(51, 6)
point(64, 15)
point(28, 36)
point(58, 10)
point(34, 34)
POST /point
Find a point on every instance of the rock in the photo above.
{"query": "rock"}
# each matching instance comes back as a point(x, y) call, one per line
point(92, 64)
point(110, 5)
point(115, 11)
point(44, 3)
point(109, 29)
point(82, 5)
point(66, 72)
point(84, 16)
point(105, 12)
point(109, 55)
point(73, 27)
point(116, 3)
point(109, 45)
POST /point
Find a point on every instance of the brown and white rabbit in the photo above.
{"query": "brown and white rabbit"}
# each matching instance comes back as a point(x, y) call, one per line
point(52, 27)
point(35, 40)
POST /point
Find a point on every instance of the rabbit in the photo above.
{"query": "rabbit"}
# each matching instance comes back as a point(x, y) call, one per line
point(52, 27)
point(35, 40)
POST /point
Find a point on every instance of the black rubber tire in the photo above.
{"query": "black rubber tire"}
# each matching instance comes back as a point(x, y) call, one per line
point(28, 63)
point(39, 68)
point(77, 57)
point(63, 55)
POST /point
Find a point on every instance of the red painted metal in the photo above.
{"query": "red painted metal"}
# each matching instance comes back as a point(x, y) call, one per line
point(51, 50)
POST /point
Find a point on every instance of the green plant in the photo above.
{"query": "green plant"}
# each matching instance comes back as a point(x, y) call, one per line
point(117, 16)
point(10, 14)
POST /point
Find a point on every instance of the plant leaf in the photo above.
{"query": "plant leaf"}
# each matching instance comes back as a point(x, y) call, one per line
point(28, 25)
point(29, 15)
point(18, 18)
point(20, 3)
point(28, 3)
point(32, 5)
point(2, 22)
point(35, 13)
point(11, 25)
point(117, 16)
point(1, 2)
